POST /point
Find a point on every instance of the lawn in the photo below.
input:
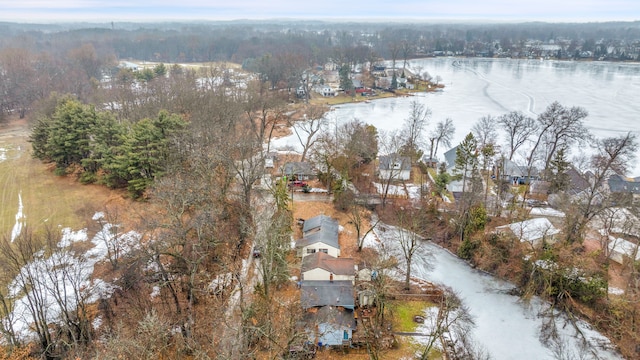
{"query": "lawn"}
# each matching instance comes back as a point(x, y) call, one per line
point(46, 198)
point(403, 313)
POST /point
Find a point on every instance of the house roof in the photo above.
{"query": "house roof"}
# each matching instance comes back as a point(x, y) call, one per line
point(337, 266)
point(298, 168)
point(326, 236)
point(624, 247)
point(334, 315)
point(532, 229)
point(620, 184)
point(450, 157)
point(387, 161)
point(578, 182)
point(315, 293)
point(320, 221)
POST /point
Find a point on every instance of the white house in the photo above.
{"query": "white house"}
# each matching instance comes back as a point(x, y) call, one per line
point(532, 231)
point(394, 167)
point(321, 266)
point(325, 241)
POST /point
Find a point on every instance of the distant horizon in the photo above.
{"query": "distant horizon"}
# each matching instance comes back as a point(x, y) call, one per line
point(459, 11)
point(413, 21)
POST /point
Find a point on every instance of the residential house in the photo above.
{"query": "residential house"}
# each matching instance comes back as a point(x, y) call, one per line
point(620, 184)
point(394, 167)
point(325, 240)
point(325, 90)
point(322, 266)
point(129, 65)
point(330, 325)
point(299, 170)
point(513, 173)
point(316, 223)
point(317, 293)
point(532, 231)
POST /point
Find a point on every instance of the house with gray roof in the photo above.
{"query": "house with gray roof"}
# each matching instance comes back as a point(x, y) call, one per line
point(324, 240)
point(620, 184)
point(298, 170)
point(318, 293)
point(330, 326)
point(394, 167)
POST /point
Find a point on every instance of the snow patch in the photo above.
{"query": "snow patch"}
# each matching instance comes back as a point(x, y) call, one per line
point(20, 219)
point(155, 292)
point(615, 291)
point(3, 154)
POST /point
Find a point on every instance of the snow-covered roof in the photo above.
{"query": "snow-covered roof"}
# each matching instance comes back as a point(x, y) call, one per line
point(532, 229)
point(624, 247)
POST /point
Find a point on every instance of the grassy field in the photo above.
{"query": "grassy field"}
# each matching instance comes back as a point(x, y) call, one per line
point(46, 198)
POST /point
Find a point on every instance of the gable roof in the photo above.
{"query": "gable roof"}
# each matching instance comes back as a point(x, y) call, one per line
point(333, 315)
point(450, 157)
point(618, 183)
point(624, 247)
point(532, 229)
point(337, 266)
point(577, 181)
point(387, 161)
point(320, 221)
point(298, 168)
point(322, 293)
point(325, 236)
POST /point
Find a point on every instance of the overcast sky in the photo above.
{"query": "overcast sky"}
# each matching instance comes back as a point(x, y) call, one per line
point(151, 10)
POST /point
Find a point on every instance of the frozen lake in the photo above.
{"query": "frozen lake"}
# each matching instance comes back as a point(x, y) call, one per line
point(610, 92)
point(506, 328)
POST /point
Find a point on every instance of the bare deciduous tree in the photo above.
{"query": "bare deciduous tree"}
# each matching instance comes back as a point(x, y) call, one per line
point(307, 129)
point(442, 134)
point(518, 128)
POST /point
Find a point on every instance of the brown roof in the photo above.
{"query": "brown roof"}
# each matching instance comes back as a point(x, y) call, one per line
point(338, 266)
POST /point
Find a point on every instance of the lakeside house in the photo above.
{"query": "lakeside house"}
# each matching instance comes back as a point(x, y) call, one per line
point(322, 266)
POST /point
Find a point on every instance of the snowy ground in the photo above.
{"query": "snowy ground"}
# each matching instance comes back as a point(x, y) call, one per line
point(20, 219)
point(410, 191)
point(505, 326)
point(65, 277)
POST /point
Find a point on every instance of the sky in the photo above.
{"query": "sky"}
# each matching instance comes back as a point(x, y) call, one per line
point(43, 11)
